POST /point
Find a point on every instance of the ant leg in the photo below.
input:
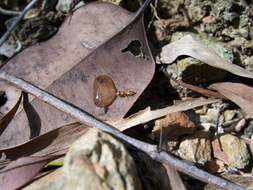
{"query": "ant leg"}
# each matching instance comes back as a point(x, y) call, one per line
point(105, 110)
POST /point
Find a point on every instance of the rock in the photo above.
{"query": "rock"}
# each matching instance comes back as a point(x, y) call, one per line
point(65, 6)
point(132, 5)
point(210, 117)
point(115, 2)
point(198, 9)
point(95, 161)
point(215, 166)
point(10, 47)
point(53, 181)
point(229, 115)
point(249, 63)
point(248, 132)
point(174, 125)
point(251, 148)
point(98, 161)
point(235, 153)
point(245, 182)
point(36, 29)
point(196, 149)
point(169, 8)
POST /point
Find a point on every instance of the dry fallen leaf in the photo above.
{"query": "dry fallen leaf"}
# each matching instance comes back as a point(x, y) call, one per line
point(173, 125)
point(188, 45)
point(238, 93)
point(200, 90)
point(22, 170)
point(215, 166)
point(147, 115)
point(53, 142)
point(176, 183)
point(53, 66)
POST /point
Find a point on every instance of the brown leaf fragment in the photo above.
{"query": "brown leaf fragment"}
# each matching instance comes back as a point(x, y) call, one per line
point(53, 142)
point(217, 151)
point(215, 166)
point(174, 125)
point(176, 181)
point(67, 69)
point(203, 91)
point(196, 148)
point(147, 115)
point(238, 93)
point(189, 46)
point(21, 171)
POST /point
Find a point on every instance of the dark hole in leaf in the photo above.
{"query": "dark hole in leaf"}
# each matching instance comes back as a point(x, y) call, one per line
point(134, 47)
point(3, 98)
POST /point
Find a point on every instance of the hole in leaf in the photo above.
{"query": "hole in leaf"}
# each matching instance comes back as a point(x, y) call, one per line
point(134, 47)
point(3, 98)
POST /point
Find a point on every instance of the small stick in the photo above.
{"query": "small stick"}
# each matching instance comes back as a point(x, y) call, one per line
point(90, 120)
point(15, 23)
point(9, 12)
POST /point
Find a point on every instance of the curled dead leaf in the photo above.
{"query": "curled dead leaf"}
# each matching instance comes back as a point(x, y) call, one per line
point(147, 115)
point(53, 142)
point(238, 93)
point(189, 46)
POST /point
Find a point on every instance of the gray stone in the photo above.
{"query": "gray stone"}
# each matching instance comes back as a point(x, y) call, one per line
point(196, 149)
point(65, 6)
point(103, 162)
point(234, 151)
point(95, 161)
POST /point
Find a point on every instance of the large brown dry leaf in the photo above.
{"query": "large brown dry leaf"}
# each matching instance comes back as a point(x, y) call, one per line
point(192, 47)
point(54, 142)
point(21, 171)
point(59, 67)
point(238, 93)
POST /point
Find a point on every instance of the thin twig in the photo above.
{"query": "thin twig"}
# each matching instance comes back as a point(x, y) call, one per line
point(9, 12)
point(15, 23)
point(90, 120)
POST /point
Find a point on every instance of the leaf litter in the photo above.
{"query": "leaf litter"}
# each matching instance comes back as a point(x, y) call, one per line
point(74, 80)
point(122, 54)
